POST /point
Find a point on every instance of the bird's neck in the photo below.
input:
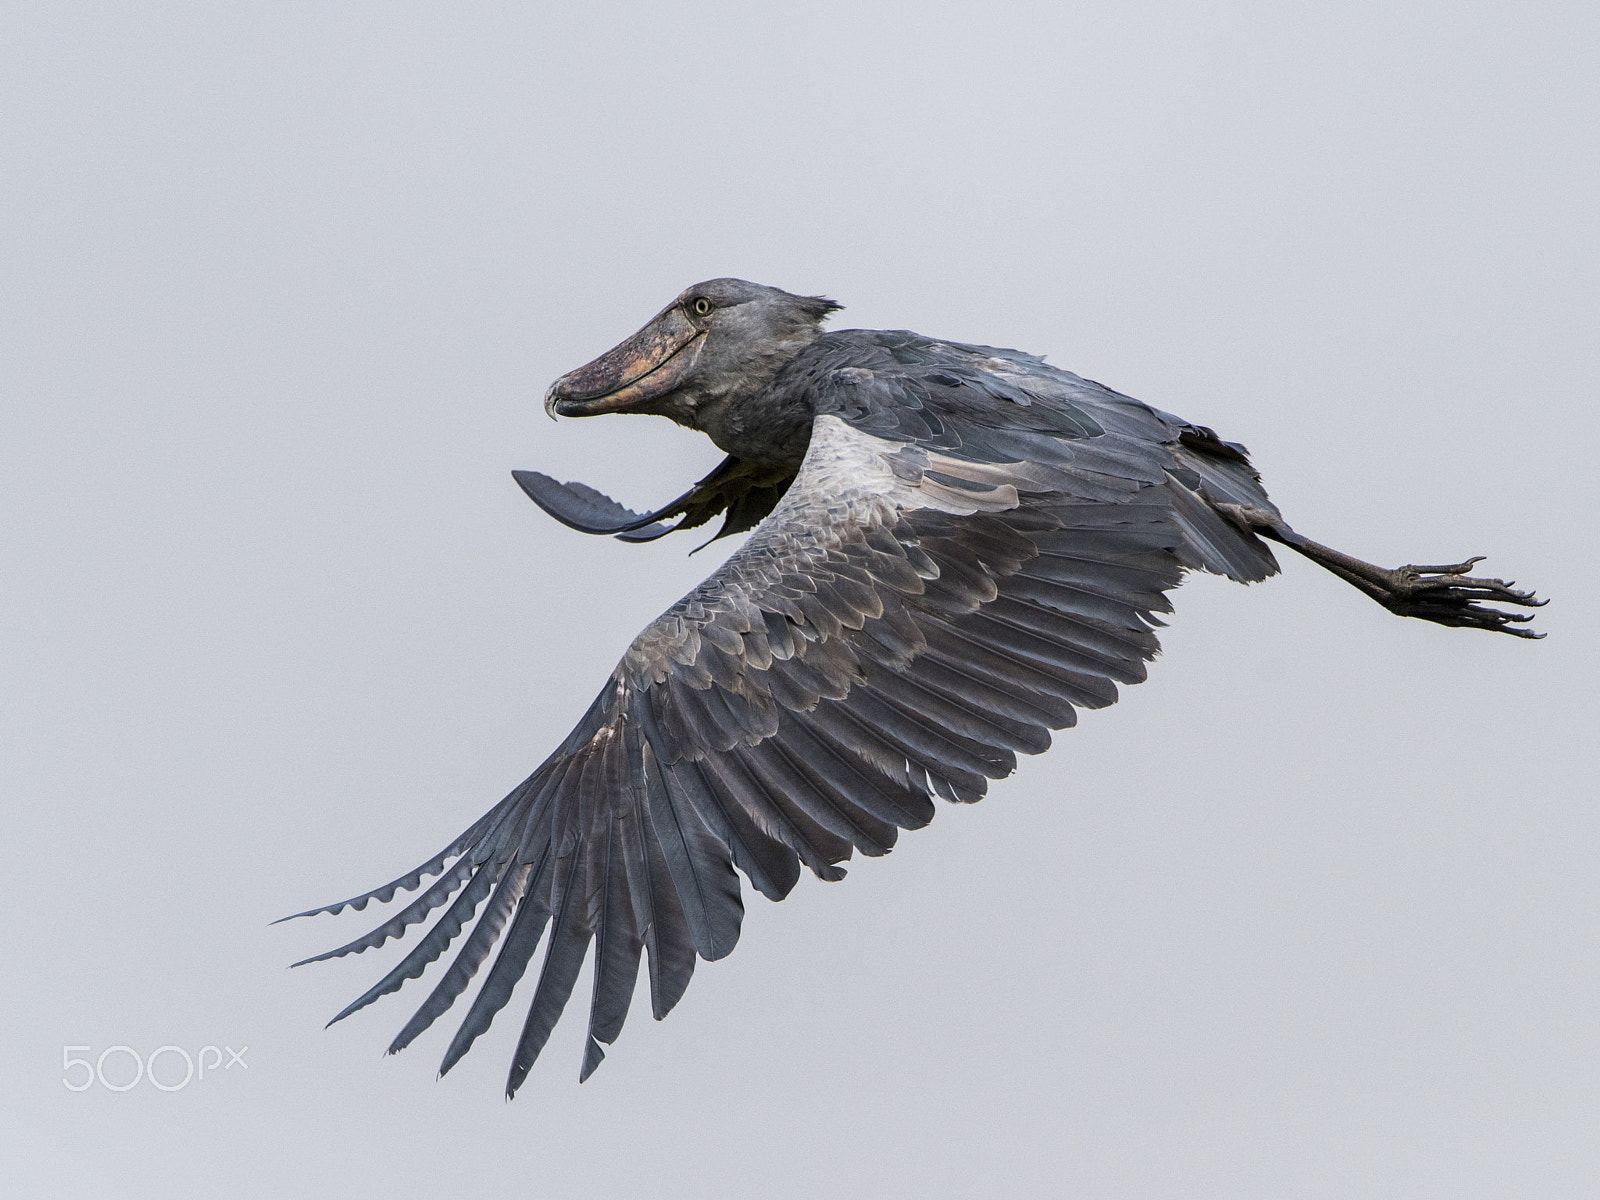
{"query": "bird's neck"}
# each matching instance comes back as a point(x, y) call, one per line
point(765, 429)
point(755, 417)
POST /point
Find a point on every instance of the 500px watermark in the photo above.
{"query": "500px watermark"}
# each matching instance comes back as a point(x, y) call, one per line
point(79, 1074)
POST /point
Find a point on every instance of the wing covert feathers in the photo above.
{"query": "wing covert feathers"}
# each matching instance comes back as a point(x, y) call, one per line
point(976, 547)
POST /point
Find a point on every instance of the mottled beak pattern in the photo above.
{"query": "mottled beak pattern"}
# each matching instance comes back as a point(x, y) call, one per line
point(652, 362)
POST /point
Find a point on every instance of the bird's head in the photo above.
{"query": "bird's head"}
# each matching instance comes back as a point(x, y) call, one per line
point(717, 341)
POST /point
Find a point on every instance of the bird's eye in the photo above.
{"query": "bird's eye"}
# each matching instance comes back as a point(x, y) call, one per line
point(700, 305)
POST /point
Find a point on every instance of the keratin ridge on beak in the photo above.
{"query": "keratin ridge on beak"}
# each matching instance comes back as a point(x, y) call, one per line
point(651, 363)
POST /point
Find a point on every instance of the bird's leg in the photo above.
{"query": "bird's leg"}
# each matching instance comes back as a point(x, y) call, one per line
point(1443, 594)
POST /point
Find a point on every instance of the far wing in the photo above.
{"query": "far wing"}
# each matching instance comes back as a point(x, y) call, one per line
point(581, 507)
point(934, 594)
point(745, 492)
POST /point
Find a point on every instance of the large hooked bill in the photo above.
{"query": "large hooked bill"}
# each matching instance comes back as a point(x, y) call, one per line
point(651, 363)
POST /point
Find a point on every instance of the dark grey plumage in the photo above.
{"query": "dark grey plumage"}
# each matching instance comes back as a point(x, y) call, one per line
point(958, 547)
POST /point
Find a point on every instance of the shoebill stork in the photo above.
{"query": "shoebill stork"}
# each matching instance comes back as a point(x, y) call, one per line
point(953, 548)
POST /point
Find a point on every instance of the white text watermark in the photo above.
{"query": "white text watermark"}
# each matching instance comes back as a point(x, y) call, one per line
point(122, 1068)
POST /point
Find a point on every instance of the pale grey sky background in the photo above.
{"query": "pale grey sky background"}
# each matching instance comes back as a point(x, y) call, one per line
point(1313, 913)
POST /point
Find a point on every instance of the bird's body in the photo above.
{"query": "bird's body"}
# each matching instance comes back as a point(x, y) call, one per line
point(955, 547)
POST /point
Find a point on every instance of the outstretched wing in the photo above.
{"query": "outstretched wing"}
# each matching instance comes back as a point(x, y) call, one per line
point(974, 548)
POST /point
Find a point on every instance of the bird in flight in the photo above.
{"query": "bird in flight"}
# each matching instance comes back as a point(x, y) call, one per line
point(952, 549)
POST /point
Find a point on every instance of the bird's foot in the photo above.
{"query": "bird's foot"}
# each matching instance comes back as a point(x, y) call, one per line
point(1445, 595)
point(1449, 596)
